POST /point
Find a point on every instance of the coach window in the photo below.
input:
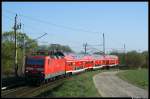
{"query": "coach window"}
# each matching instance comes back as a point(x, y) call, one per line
point(47, 61)
point(69, 64)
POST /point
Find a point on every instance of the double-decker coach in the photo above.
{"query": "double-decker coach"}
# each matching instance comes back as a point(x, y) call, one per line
point(79, 63)
point(111, 60)
point(70, 64)
point(88, 62)
point(74, 63)
point(99, 61)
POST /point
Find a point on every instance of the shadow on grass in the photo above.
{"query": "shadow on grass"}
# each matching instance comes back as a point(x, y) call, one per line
point(49, 93)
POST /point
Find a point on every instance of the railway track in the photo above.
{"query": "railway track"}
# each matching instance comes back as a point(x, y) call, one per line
point(31, 91)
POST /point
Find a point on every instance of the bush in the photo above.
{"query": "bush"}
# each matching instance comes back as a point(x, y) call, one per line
point(133, 59)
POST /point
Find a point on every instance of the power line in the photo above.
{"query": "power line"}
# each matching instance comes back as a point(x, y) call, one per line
point(57, 25)
point(62, 26)
point(8, 17)
point(95, 45)
point(114, 41)
point(36, 38)
point(41, 36)
point(29, 26)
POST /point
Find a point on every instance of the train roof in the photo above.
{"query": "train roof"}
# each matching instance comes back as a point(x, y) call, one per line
point(111, 56)
point(73, 56)
point(69, 57)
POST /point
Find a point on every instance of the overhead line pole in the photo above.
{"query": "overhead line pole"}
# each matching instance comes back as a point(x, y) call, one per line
point(16, 27)
point(103, 44)
point(24, 54)
point(85, 48)
point(124, 54)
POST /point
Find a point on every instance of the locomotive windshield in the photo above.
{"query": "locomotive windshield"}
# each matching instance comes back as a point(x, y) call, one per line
point(33, 61)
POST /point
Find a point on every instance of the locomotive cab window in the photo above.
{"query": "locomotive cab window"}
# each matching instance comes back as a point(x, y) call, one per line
point(57, 55)
point(33, 61)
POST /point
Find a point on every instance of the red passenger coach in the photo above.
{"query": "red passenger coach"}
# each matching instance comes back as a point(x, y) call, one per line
point(89, 62)
point(74, 64)
point(107, 59)
point(70, 63)
point(99, 61)
point(111, 60)
point(79, 63)
point(116, 60)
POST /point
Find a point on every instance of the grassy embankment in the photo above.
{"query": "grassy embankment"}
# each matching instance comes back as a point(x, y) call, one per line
point(137, 77)
point(76, 86)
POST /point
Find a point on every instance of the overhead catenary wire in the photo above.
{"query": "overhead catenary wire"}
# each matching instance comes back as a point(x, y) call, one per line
point(37, 20)
point(54, 24)
point(36, 39)
point(114, 41)
point(27, 25)
point(57, 25)
point(8, 17)
point(10, 20)
point(22, 25)
point(40, 36)
point(62, 26)
point(22, 30)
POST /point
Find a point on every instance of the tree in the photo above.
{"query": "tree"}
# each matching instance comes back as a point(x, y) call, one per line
point(42, 47)
point(146, 58)
point(99, 53)
point(134, 59)
point(8, 49)
point(122, 59)
point(63, 48)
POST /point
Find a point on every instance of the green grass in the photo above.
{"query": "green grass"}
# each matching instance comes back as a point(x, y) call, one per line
point(76, 86)
point(137, 77)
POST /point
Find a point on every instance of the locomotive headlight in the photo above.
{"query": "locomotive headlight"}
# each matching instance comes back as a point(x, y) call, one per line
point(42, 72)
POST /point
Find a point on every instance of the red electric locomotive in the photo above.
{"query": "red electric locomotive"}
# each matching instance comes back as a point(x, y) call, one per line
point(44, 66)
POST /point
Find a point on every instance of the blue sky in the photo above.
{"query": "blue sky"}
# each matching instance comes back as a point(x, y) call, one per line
point(121, 22)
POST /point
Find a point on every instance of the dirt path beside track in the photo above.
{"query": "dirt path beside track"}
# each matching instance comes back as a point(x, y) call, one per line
point(109, 85)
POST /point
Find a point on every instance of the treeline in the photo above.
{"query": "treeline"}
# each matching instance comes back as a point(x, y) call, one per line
point(8, 51)
point(52, 47)
point(133, 59)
